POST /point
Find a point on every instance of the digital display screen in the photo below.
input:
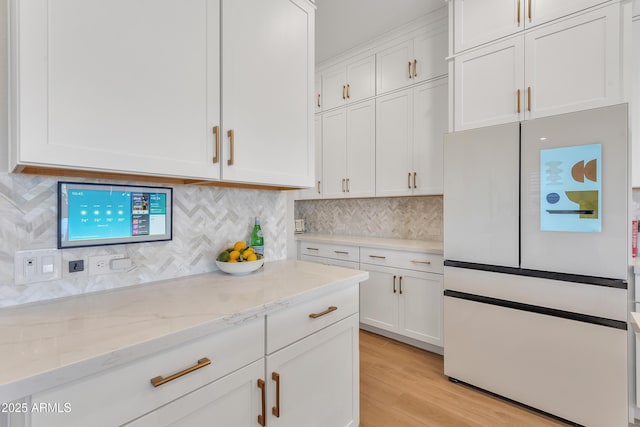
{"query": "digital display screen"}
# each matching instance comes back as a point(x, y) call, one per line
point(104, 214)
point(571, 189)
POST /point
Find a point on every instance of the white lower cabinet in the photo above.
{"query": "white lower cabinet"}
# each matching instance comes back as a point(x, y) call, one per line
point(232, 401)
point(315, 381)
point(405, 301)
point(303, 371)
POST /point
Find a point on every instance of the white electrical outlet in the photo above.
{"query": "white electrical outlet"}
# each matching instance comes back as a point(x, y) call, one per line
point(38, 265)
point(101, 264)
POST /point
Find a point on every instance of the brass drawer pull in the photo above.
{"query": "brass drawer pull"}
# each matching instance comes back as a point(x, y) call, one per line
point(231, 136)
point(529, 98)
point(275, 410)
point(216, 132)
point(342, 252)
point(518, 13)
point(394, 284)
point(409, 180)
point(409, 69)
point(262, 419)
point(421, 262)
point(322, 313)
point(529, 4)
point(518, 100)
point(348, 86)
point(343, 90)
point(400, 281)
point(347, 185)
point(318, 100)
point(377, 256)
point(313, 249)
point(415, 174)
point(318, 187)
point(159, 380)
point(415, 68)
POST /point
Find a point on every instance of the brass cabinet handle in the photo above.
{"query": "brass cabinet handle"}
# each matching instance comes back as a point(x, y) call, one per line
point(421, 262)
point(343, 182)
point(276, 409)
point(262, 418)
point(313, 249)
point(529, 4)
point(518, 100)
point(318, 187)
point(348, 86)
point(409, 180)
point(231, 136)
point(377, 256)
point(216, 132)
point(529, 98)
point(318, 100)
point(322, 313)
point(342, 252)
point(415, 68)
point(518, 13)
point(394, 284)
point(347, 185)
point(400, 282)
point(409, 69)
point(414, 180)
point(159, 380)
point(343, 92)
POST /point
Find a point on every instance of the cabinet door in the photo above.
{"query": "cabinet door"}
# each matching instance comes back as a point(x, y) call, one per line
point(394, 67)
point(361, 79)
point(361, 140)
point(315, 192)
point(334, 152)
point(267, 85)
point(540, 11)
point(334, 91)
point(379, 298)
point(317, 379)
point(420, 301)
point(430, 121)
point(394, 133)
point(429, 52)
point(103, 89)
point(574, 64)
point(635, 106)
point(481, 21)
point(232, 401)
point(489, 86)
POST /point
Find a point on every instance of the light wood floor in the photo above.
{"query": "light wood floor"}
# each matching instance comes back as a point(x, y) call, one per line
point(402, 386)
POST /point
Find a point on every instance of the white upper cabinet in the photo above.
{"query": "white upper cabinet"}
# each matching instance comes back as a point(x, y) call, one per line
point(412, 61)
point(350, 82)
point(115, 86)
point(568, 65)
point(635, 105)
point(410, 126)
point(267, 82)
point(489, 84)
point(574, 64)
point(348, 163)
point(481, 21)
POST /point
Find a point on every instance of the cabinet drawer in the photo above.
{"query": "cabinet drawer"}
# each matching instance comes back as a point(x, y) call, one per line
point(342, 252)
point(419, 261)
point(330, 261)
point(292, 324)
point(120, 394)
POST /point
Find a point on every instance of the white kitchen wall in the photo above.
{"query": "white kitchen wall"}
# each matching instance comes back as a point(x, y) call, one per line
point(206, 220)
point(414, 218)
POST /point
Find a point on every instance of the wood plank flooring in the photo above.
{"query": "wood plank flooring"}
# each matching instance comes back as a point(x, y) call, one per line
point(403, 386)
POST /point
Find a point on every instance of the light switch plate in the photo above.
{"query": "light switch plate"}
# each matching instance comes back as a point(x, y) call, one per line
point(38, 265)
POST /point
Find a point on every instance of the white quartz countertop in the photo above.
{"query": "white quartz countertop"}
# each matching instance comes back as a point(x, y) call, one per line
point(432, 247)
point(47, 344)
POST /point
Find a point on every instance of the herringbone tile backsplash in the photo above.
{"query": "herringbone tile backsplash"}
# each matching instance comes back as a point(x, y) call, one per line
point(414, 218)
point(206, 220)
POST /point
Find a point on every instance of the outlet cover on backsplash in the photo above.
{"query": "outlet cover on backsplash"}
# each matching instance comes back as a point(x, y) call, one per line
point(206, 220)
point(414, 218)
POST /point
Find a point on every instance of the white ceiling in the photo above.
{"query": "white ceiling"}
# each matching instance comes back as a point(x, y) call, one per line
point(344, 24)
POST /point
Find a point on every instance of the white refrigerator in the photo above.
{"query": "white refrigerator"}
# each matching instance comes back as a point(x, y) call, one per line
point(536, 249)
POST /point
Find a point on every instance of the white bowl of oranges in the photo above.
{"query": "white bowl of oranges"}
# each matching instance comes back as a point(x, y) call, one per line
point(240, 259)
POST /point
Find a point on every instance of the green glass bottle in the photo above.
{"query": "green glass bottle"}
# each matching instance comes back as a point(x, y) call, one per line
point(257, 241)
